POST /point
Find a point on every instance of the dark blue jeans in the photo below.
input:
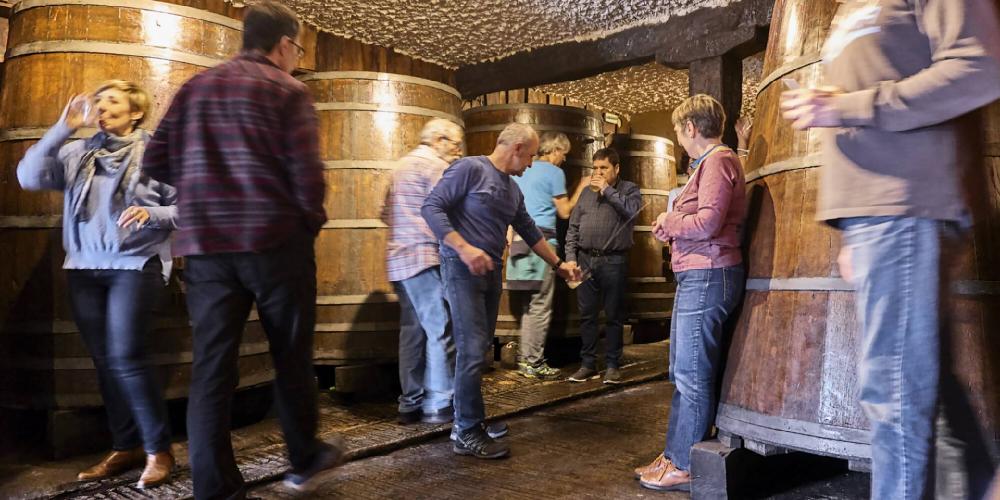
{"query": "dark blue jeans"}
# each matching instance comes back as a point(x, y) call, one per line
point(703, 301)
point(474, 302)
point(608, 277)
point(221, 288)
point(114, 311)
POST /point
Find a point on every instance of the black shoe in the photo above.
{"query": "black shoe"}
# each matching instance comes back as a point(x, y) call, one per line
point(442, 416)
point(497, 429)
point(612, 376)
point(477, 443)
point(328, 458)
point(583, 374)
point(409, 417)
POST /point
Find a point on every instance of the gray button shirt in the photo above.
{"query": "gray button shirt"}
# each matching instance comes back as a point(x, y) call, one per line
point(597, 217)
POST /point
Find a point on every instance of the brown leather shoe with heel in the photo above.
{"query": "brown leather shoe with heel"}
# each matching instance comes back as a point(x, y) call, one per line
point(114, 463)
point(660, 463)
point(157, 471)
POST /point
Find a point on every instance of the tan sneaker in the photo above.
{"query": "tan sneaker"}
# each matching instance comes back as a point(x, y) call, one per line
point(669, 478)
point(157, 471)
point(660, 462)
point(114, 463)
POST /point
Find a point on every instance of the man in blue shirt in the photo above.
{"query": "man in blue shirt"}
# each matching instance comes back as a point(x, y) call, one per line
point(529, 279)
point(469, 211)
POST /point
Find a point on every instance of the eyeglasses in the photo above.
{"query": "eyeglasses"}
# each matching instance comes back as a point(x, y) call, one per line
point(301, 49)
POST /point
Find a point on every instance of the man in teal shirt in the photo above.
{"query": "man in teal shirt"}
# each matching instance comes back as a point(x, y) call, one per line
point(529, 279)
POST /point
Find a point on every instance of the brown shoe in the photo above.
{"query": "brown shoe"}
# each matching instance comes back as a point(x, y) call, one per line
point(669, 478)
point(657, 464)
point(114, 463)
point(157, 471)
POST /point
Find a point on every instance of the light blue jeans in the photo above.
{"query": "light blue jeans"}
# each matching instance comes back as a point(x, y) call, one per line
point(704, 300)
point(426, 349)
point(899, 282)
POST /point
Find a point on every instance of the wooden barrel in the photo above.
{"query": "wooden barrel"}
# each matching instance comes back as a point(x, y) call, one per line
point(584, 128)
point(56, 49)
point(648, 161)
point(368, 120)
point(791, 377)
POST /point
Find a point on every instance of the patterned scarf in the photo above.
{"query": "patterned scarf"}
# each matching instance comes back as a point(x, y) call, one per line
point(119, 155)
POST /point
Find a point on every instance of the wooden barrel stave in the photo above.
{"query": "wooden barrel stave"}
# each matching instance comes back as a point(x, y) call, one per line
point(367, 120)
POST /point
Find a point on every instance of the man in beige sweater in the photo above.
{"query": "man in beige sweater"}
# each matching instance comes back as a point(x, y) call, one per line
point(900, 72)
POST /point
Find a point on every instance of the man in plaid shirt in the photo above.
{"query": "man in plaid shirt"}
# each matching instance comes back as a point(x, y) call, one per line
point(240, 143)
point(426, 350)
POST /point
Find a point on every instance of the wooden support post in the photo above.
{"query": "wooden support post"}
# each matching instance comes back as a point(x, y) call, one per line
point(717, 470)
point(722, 78)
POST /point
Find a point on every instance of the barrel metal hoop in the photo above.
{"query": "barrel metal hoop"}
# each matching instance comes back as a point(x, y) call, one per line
point(360, 165)
point(654, 192)
point(655, 138)
point(547, 107)
point(371, 298)
point(650, 296)
point(642, 229)
point(541, 128)
point(809, 161)
point(992, 150)
point(118, 49)
point(648, 154)
point(354, 224)
point(34, 133)
point(959, 287)
point(378, 77)
point(786, 69)
point(30, 221)
point(179, 10)
point(794, 434)
point(389, 108)
point(647, 279)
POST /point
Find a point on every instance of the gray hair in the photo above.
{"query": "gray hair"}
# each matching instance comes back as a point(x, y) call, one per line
point(551, 142)
point(516, 133)
point(438, 128)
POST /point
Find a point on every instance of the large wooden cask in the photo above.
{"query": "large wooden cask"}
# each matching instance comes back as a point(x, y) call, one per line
point(648, 161)
point(368, 120)
point(585, 130)
point(57, 49)
point(791, 377)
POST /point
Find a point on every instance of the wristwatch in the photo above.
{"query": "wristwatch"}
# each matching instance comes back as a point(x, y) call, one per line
point(557, 264)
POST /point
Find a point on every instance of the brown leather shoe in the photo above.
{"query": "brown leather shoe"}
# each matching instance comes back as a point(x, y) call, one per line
point(114, 463)
point(669, 478)
point(157, 471)
point(657, 464)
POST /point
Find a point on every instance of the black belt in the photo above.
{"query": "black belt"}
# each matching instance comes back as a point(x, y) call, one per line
point(602, 253)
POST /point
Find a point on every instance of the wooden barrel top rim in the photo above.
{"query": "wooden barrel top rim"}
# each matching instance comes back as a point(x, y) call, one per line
point(380, 77)
point(812, 160)
point(151, 5)
point(529, 105)
point(112, 48)
point(389, 108)
point(825, 284)
point(785, 69)
point(544, 128)
point(646, 137)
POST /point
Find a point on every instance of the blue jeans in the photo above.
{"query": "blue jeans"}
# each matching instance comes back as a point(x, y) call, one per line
point(426, 350)
point(114, 311)
point(608, 277)
point(474, 302)
point(899, 282)
point(703, 301)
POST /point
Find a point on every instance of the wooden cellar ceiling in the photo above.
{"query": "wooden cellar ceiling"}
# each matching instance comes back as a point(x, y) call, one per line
point(460, 32)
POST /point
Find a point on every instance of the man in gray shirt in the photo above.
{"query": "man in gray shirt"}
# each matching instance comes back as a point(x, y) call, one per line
point(599, 237)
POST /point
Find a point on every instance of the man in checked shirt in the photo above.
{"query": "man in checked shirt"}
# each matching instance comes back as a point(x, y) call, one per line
point(426, 349)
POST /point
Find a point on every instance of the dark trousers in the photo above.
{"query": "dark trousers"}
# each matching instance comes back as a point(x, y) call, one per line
point(608, 277)
point(114, 311)
point(221, 288)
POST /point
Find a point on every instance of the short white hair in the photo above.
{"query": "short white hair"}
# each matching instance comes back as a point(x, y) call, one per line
point(517, 133)
point(438, 128)
point(550, 142)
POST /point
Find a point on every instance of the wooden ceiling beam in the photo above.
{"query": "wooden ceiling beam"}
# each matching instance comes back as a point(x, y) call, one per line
point(710, 32)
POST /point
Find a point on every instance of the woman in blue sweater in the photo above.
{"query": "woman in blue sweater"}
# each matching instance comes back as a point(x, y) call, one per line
point(116, 226)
